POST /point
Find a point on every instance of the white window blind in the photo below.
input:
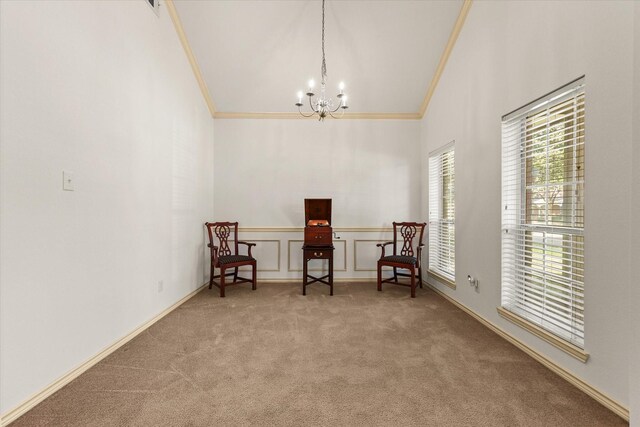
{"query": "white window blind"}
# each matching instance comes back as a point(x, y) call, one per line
point(543, 212)
point(442, 212)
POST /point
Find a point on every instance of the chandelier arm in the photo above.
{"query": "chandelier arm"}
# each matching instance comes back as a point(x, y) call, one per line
point(337, 108)
point(311, 106)
point(336, 117)
point(305, 115)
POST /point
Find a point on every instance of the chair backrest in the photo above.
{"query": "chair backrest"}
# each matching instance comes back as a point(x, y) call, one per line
point(222, 232)
point(406, 233)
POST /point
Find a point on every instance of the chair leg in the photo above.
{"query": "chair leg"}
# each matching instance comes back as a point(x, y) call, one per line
point(379, 277)
point(235, 275)
point(420, 276)
point(211, 276)
point(222, 277)
point(253, 276)
point(413, 283)
point(395, 274)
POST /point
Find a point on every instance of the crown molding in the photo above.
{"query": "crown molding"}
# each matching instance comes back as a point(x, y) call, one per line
point(457, 27)
point(171, 8)
point(464, 10)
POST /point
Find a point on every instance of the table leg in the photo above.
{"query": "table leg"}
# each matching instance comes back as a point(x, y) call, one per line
point(304, 273)
point(331, 274)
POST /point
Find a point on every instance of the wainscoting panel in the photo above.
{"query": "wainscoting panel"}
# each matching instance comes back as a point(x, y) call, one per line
point(266, 251)
point(366, 254)
point(279, 252)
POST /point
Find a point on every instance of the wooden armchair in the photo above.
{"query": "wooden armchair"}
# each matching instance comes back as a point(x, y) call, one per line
point(407, 258)
point(223, 257)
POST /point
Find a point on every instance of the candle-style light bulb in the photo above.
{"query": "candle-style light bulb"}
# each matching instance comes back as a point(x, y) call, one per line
point(312, 84)
point(341, 86)
point(344, 101)
point(300, 97)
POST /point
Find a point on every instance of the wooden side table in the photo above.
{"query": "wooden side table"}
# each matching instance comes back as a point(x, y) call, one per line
point(317, 252)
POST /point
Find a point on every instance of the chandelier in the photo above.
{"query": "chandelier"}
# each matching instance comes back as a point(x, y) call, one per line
point(322, 105)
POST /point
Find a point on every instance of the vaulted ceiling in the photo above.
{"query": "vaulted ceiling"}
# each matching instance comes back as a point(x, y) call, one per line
point(253, 56)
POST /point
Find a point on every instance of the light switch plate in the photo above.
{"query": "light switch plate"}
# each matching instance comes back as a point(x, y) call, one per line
point(67, 181)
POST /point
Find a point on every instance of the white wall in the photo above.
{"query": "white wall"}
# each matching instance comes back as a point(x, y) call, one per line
point(102, 89)
point(634, 285)
point(369, 168)
point(264, 169)
point(508, 54)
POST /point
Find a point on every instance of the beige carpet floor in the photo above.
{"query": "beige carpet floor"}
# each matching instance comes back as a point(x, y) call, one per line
point(359, 358)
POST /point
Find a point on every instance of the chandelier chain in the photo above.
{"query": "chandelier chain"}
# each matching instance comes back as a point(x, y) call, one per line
point(322, 106)
point(324, 63)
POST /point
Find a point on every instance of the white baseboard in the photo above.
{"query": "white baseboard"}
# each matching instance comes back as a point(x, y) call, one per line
point(25, 406)
point(596, 394)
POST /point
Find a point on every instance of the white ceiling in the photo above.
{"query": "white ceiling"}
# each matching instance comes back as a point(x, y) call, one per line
point(255, 55)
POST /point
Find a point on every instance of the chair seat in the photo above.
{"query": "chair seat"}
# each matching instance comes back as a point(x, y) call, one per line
point(231, 259)
point(401, 259)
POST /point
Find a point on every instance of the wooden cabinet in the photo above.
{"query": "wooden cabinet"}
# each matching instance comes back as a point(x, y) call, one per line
point(318, 241)
point(318, 236)
point(317, 221)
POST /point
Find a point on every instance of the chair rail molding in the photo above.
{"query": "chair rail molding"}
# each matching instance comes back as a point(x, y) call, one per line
point(270, 229)
point(287, 242)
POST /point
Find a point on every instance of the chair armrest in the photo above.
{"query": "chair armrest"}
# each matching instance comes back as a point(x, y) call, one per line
point(214, 253)
point(249, 246)
point(419, 257)
point(382, 245)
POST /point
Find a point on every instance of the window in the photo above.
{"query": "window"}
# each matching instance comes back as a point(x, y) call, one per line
point(543, 213)
point(442, 213)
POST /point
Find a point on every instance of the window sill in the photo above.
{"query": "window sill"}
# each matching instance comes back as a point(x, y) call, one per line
point(568, 348)
point(441, 279)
